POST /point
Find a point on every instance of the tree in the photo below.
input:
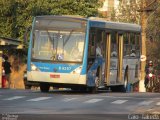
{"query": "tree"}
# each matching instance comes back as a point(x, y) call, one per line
point(127, 12)
point(17, 15)
point(153, 26)
point(153, 33)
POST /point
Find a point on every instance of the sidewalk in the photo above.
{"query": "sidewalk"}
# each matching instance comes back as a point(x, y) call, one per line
point(155, 110)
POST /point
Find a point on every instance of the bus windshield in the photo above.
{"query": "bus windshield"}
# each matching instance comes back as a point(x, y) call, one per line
point(58, 45)
point(58, 40)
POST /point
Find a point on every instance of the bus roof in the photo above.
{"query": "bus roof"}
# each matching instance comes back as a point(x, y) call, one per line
point(97, 22)
point(75, 17)
point(100, 23)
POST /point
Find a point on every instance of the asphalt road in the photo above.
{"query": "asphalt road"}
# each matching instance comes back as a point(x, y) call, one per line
point(70, 105)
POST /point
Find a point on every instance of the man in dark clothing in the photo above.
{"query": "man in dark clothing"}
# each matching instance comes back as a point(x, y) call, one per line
point(7, 69)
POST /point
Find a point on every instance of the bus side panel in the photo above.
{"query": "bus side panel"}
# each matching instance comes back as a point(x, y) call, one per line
point(113, 71)
point(131, 63)
point(29, 49)
point(132, 70)
point(84, 64)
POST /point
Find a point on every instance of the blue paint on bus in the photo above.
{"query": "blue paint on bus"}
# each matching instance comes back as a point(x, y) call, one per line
point(56, 68)
point(93, 70)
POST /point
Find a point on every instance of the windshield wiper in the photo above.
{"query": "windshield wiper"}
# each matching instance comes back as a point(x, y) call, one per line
point(68, 37)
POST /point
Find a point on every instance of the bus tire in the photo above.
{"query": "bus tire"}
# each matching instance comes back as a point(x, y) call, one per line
point(44, 87)
point(28, 86)
point(92, 90)
point(124, 87)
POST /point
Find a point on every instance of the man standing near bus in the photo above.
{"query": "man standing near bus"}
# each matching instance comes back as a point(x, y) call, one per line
point(7, 69)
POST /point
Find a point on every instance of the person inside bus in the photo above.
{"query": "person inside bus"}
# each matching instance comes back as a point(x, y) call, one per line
point(98, 50)
point(113, 50)
point(76, 54)
point(7, 68)
point(133, 53)
point(114, 54)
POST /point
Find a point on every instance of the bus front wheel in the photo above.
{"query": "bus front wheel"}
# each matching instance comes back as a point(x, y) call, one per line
point(44, 87)
point(28, 86)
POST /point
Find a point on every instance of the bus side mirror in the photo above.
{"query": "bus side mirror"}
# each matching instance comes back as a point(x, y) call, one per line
point(26, 35)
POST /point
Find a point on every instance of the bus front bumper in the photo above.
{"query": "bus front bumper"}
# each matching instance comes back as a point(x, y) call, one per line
point(64, 78)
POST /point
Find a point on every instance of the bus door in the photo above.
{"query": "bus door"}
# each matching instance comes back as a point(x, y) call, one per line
point(97, 40)
point(115, 65)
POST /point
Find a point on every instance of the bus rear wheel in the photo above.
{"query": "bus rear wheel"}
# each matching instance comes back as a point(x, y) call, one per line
point(124, 87)
point(44, 87)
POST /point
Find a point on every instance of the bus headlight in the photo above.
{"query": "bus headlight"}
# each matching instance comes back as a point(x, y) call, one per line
point(3, 72)
point(34, 68)
point(25, 75)
point(77, 70)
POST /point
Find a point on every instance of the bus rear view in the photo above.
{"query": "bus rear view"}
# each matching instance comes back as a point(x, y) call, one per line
point(57, 52)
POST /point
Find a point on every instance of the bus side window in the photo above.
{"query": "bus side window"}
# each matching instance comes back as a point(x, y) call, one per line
point(137, 44)
point(113, 45)
point(91, 47)
point(126, 46)
point(131, 45)
point(135, 48)
point(91, 50)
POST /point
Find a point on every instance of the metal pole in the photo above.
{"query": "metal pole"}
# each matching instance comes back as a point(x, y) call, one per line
point(143, 50)
point(108, 55)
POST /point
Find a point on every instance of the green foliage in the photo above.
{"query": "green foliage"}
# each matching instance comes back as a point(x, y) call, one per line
point(17, 15)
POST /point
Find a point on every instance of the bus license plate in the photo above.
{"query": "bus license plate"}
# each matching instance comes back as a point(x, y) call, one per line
point(54, 76)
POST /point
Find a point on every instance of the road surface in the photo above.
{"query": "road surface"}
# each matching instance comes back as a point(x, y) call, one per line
point(32, 104)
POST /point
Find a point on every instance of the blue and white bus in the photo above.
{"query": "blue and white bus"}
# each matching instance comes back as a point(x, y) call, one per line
point(83, 53)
